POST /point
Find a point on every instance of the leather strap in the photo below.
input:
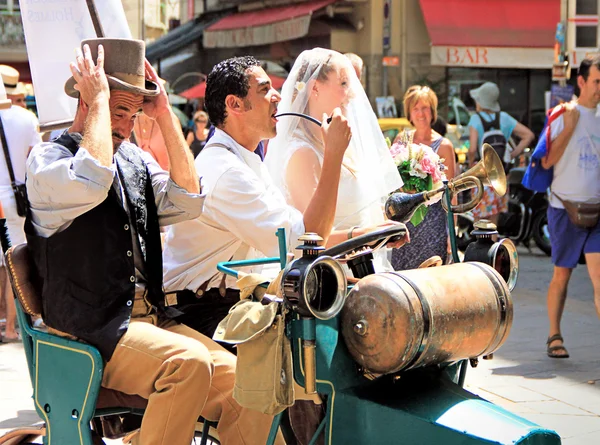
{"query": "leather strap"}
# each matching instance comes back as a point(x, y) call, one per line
point(7, 154)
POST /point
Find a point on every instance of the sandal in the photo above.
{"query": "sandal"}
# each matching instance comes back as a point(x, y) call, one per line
point(551, 350)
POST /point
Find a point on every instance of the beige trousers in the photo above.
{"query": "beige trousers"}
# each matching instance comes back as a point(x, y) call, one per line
point(183, 374)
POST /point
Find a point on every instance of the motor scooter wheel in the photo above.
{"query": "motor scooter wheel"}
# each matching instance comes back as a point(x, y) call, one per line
point(539, 231)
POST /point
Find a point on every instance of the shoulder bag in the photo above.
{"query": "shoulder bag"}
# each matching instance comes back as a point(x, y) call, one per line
point(19, 190)
point(536, 177)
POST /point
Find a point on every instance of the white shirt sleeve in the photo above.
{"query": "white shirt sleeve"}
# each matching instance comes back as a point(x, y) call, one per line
point(61, 187)
point(173, 203)
point(253, 212)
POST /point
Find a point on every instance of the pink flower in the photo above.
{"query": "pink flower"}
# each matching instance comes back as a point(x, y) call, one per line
point(396, 149)
point(427, 166)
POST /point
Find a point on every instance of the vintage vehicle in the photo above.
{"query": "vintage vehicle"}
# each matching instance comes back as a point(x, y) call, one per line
point(388, 355)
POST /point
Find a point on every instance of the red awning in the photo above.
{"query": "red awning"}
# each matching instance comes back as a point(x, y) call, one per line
point(498, 23)
point(199, 90)
point(195, 92)
point(262, 27)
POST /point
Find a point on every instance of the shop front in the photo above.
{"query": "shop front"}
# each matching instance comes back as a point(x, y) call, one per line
point(277, 34)
point(507, 42)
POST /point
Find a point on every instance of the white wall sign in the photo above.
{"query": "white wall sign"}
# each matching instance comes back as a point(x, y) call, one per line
point(492, 57)
point(53, 29)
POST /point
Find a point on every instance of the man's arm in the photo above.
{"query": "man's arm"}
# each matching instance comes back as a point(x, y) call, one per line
point(181, 161)
point(473, 141)
point(525, 135)
point(61, 187)
point(173, 203)
point(92, 85)
point(559, 142)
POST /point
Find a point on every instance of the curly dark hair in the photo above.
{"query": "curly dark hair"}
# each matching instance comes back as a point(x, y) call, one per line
point(227, 77)
point(586, 64)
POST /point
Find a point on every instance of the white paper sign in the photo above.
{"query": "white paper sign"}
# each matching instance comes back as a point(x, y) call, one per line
point(53, 29)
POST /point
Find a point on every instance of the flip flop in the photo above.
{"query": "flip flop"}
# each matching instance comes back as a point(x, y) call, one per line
point(551, 350)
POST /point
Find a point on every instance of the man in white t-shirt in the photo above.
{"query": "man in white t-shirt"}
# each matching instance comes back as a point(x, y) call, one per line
point(21, 131)
point(575, 156)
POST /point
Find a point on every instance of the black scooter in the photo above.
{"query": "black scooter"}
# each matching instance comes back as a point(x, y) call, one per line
point(526, 217)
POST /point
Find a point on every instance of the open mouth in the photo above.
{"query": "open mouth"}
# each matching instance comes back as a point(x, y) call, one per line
point(273, 116)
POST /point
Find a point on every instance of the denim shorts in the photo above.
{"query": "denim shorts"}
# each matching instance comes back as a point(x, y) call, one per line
point(569, 241)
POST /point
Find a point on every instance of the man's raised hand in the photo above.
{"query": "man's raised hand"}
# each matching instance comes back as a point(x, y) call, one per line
point(157, 105)
point(90, 78)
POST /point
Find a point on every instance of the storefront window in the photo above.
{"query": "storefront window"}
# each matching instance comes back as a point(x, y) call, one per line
point(586, 36)
point(585, 7)
point(521, 93)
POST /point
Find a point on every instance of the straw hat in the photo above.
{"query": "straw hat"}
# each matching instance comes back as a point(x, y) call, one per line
point(20, 90)
point(4, 102)
point(487, 96)
point(10, 79)
point(123, 65)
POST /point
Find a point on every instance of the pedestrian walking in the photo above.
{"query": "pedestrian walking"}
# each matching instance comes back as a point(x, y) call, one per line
point(495, 127)
point(575, 196)
point(18, 134)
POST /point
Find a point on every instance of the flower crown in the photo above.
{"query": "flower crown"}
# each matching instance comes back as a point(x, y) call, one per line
point(300, 86)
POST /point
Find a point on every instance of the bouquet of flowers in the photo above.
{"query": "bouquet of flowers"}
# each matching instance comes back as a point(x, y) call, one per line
point(421, 169)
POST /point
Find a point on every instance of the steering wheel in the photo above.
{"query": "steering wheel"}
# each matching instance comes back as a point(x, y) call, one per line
point(364, 244)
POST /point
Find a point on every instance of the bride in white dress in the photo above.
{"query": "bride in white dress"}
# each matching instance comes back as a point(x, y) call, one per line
point(320, 81)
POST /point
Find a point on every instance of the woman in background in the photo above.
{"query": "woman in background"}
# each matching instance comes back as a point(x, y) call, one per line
point(197, 138)
point(430, 237)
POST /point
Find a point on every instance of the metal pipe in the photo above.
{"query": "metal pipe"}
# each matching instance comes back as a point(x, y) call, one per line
point(95, 18)
point(451, 228)
point(403, 50)
point(143, 20)
point(309, 348)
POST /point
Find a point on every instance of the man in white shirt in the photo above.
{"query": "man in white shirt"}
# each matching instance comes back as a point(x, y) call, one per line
point(243, 208)
point(21, 133)
point(575, 156)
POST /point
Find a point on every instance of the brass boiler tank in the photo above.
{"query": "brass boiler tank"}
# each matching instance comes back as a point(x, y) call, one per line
point(398, 321)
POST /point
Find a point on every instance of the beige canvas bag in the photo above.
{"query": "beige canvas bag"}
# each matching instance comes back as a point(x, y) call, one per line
point(264, 378)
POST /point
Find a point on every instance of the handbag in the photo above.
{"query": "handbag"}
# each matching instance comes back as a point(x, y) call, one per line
point(536, 177)
point(581, 214)
point(19, 190)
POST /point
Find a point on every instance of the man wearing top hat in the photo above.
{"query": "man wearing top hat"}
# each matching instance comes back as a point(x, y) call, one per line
point(97, 202)
point(20, 128)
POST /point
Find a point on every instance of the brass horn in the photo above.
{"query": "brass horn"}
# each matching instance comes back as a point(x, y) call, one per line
point(487, 172)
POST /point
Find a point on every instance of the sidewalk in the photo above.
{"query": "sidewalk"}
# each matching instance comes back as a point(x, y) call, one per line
point(563, 395)
point(560, 394)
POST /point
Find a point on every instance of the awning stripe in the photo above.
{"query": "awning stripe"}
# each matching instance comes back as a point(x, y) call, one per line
point(263, 27)
point(498, 23)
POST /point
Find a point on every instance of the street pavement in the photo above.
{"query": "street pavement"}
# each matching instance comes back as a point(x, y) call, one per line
point(561, 394)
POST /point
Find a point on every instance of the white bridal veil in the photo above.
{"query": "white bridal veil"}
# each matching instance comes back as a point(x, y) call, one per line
point(367, 161)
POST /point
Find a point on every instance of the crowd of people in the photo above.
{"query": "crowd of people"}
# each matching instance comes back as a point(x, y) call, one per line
point(145, 289)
